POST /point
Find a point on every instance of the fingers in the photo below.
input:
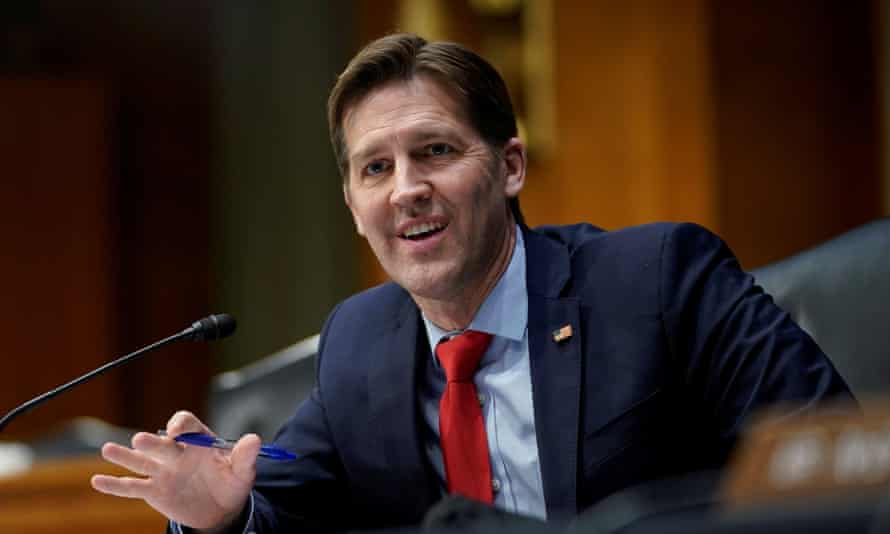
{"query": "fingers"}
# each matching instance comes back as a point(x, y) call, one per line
point(244, 456)
point(183, 421)
point(147, 442)
point(135, 461)
point(130, 487)
point(161, 448)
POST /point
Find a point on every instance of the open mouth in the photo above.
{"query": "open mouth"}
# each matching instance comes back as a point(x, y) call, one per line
point(423, 231)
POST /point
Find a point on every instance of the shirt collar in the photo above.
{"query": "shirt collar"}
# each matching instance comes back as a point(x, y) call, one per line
point(504, 312)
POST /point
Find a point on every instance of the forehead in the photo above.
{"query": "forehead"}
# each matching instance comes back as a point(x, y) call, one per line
point(402, 107)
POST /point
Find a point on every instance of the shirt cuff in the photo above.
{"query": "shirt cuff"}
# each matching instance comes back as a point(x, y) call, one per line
point(176, 528)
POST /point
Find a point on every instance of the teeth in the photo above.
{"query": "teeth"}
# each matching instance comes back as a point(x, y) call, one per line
point(423, 228)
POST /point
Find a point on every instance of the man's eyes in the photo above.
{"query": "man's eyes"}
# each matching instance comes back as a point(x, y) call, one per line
point(438, 149)
point(376, 167)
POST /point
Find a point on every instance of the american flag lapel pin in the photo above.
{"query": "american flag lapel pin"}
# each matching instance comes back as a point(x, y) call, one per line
point(562, 333)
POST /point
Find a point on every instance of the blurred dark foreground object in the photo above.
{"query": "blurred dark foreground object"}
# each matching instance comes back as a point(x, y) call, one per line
point(454, 512)
point(693, 497)
point(693, 505)
point(684, 505)
point(849, 515)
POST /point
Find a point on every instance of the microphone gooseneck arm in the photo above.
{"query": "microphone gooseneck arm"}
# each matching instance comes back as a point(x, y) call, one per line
point(209, 328)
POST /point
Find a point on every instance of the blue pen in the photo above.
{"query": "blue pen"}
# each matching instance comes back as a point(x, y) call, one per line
point(204, 440)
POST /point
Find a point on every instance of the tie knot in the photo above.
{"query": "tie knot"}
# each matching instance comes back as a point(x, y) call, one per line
point(460, 355)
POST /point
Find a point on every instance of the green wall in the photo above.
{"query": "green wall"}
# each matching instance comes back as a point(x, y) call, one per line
point(284, 249)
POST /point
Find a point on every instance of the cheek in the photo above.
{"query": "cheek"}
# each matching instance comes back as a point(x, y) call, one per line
point(481, 198)
point(374, 224)
point(367, 209)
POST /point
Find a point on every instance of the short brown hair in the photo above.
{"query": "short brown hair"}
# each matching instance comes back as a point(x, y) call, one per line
point(478, 87)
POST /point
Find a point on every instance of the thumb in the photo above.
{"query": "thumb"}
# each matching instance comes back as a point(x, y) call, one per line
point(244, 456)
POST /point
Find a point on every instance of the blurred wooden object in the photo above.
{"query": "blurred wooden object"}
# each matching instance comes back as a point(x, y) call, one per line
point(57, 497)
point(835, 452)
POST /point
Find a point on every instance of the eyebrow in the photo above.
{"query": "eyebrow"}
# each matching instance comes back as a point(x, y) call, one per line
point(362, 154)
point(419, 137)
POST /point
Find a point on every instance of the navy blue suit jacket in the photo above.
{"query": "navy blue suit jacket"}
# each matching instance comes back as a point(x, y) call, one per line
point(673, 348)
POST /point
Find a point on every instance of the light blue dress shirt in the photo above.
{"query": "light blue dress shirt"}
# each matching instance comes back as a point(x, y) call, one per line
point(503, 382)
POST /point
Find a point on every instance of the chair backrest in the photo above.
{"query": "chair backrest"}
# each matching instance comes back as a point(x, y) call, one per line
point(839, 292)
point(261, 396)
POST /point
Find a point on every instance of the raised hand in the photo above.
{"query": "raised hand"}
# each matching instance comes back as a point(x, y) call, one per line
point(202, 488)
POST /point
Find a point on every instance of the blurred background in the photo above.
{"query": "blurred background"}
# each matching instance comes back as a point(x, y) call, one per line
point(161, 160)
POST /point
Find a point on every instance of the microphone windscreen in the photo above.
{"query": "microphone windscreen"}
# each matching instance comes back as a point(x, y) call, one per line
point(214, 327)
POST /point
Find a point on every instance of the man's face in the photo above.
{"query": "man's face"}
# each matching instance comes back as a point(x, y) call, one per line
point(425, 190)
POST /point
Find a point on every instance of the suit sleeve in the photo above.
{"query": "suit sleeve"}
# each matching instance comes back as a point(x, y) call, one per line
point(738, 349)
point(308, 494)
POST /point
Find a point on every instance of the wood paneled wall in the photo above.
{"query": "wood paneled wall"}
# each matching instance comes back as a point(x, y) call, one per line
point(797, 116)
point(57, 274)
point(755, 119)
point(634, 116)
point(104, 189)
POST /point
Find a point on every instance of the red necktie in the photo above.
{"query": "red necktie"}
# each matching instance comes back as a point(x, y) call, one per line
point(461, 428)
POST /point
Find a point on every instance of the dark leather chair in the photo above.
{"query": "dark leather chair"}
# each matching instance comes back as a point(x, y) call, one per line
point(261, 396)
point(839, 292)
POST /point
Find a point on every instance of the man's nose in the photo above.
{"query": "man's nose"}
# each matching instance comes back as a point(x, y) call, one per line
point(410, 186)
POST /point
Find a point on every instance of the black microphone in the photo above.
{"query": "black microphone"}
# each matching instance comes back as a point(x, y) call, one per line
point(209, 328)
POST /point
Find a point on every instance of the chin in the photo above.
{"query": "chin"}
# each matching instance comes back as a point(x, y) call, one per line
point(425, 282)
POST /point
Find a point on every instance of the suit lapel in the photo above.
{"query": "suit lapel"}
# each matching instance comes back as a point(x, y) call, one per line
point(394, 409)
point(556, 371)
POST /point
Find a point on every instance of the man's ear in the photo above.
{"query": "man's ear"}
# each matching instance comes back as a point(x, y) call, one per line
point(346, 199)
point(515, 163)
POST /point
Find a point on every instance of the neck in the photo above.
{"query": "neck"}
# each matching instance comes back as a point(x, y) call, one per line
point(456, 313)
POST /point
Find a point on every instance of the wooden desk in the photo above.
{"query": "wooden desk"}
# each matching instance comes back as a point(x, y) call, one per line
point(56, 497)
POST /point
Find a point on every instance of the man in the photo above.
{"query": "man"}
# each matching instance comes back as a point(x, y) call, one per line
point(604, 358)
